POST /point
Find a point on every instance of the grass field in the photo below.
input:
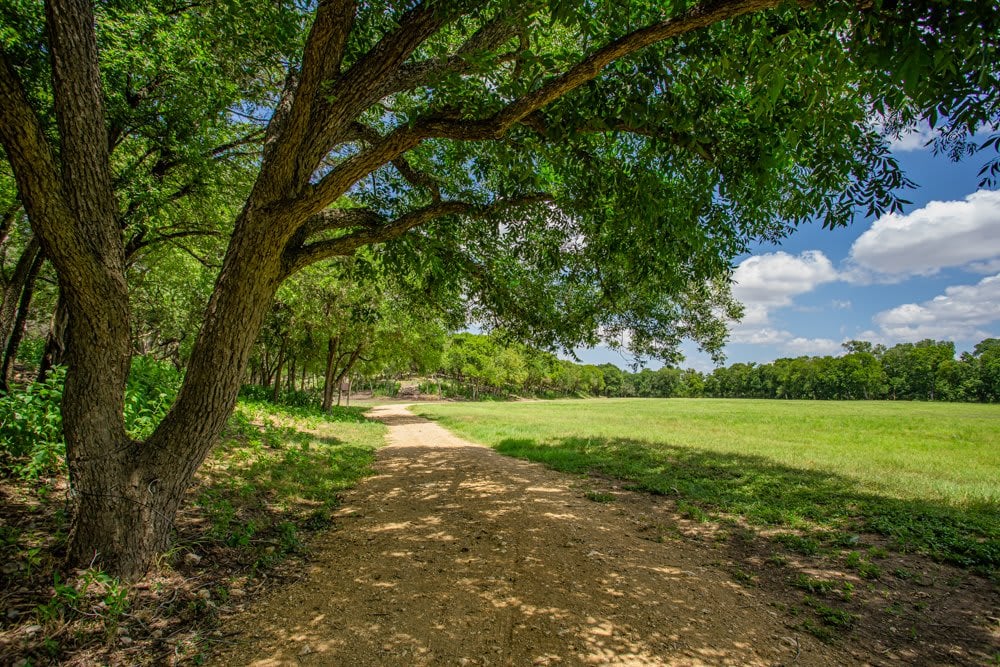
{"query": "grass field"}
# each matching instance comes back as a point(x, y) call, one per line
point(926, 475)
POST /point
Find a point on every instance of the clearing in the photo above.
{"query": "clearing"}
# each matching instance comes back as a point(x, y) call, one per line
point(454, 554)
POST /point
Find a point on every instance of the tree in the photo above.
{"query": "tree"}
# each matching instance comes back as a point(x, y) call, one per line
point(579, 169)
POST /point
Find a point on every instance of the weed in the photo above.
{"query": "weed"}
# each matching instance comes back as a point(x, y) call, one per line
point(812, 585)
point(825, 635)
point(744, 577)
point(691, 512)
point(806, 546)
point(599, 496)
point(865, 568)
point(832, 616)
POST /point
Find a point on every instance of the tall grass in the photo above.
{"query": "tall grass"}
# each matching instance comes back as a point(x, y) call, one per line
point(928, 475)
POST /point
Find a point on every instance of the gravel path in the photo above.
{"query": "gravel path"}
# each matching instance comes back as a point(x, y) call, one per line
point(455, 555)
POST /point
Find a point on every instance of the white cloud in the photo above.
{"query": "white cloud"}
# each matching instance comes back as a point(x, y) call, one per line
point(941, 234)
point(764, 283)
point(762, 336)
point(914, 139)
point(958, 314)
point(789, 344)
point(771, 280)
point(814, 347)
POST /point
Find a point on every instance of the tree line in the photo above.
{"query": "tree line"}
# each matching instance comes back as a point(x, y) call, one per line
point(474, 366)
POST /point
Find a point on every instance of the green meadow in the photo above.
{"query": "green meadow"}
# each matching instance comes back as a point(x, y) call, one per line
point(926, 475)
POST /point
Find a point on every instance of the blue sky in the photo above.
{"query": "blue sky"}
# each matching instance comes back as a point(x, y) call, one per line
point(932, 272)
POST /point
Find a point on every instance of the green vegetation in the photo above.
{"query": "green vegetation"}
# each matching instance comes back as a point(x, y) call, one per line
point(475, 366)
point(925, 475)
point(272, 480)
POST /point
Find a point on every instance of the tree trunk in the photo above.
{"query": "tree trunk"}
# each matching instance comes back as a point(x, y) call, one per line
point(332, 347)
point(12, 293)
point(276, 394)
point(54, 352)
point(20, 320)
point(353, 359)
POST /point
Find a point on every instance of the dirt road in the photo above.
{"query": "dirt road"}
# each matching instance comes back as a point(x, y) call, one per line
point(455, 555)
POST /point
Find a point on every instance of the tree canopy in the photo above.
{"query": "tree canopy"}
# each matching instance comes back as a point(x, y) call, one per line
point(567, 171)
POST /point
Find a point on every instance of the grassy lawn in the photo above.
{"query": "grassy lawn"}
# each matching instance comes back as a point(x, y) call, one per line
point(926, 475)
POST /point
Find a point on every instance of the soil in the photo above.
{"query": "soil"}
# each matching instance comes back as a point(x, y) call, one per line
point(455, 555)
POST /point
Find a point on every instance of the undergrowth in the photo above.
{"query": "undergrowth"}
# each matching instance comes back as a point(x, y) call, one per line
point(272, 480)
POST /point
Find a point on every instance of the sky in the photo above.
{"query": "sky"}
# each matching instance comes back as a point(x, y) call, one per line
point(931, 272)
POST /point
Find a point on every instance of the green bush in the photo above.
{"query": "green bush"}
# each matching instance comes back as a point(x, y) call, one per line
point(31, 439)
point(151, 390)
point(31, 427)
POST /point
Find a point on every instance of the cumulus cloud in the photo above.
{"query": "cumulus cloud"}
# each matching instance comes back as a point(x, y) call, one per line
point(764, 283)
point(941, 234)
point(759, 336)
point(816, 347)
point(789, 344)
point(958, 314)
point(773, 279)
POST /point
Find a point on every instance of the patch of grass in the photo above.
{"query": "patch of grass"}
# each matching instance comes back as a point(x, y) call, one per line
point(278, 472)
point(832, 616)
point(599, 496)
point(865, 568)
point(924, 475)
point(802, 544)
point(813, 585)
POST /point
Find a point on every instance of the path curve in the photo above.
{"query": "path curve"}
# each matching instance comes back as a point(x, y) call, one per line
point(455, 555)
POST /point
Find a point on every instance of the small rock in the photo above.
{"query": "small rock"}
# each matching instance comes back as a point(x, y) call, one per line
point(204, 594)
point(125, 640)
point(13, 614)
point(157, 634)
point(236, 592)
point(306, 650)
point(192, 558)
point(32, 629)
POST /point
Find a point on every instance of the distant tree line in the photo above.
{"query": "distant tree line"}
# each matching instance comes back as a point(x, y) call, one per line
point(475, 366)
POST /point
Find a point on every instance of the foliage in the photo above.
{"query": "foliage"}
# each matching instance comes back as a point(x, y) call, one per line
point(31, 438)
point(926, 478)
point(926, 370)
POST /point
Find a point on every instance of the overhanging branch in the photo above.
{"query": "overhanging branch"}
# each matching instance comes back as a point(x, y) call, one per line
point(378, 229)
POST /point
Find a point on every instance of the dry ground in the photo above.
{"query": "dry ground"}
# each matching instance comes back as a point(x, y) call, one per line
point(454, 554)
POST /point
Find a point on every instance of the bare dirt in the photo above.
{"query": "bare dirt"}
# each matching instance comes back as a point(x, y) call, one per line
point(456, 555)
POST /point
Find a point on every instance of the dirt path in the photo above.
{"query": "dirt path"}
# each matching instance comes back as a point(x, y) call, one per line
point(456, 555)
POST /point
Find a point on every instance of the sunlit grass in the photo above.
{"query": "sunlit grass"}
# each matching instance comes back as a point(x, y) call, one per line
point(927, 474)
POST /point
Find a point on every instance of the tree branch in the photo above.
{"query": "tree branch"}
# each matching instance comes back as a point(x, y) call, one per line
point(321, 59)
point(298, 257)
point(404, 138)
point(402, 165)
point(79, 108)
point(34, 166)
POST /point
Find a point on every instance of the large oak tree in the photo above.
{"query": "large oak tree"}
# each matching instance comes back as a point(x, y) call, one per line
point(574, 169)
